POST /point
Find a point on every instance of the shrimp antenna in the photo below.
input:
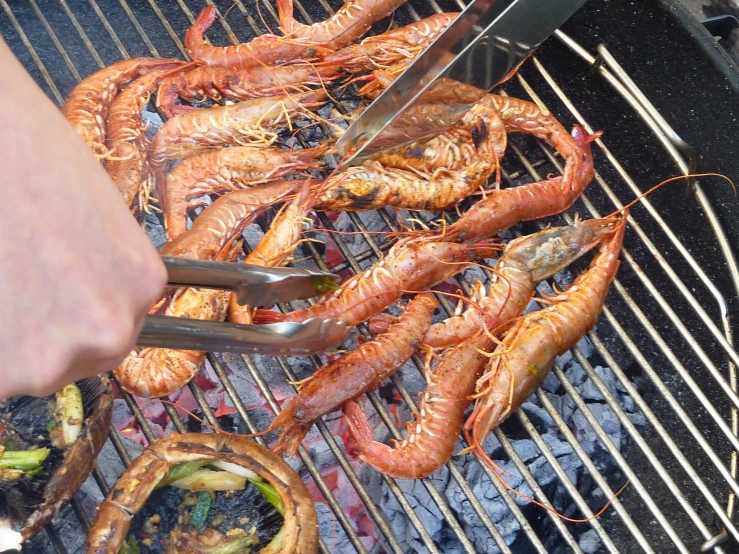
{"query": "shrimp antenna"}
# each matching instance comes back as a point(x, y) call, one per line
point(670, 180)
point(202, 421)
point(485, 459)
point(261, 18)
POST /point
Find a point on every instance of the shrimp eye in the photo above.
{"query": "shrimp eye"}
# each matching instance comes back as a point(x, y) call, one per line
point(479, 132)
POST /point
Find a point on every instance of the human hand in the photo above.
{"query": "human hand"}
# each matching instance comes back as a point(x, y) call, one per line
point(77, 273)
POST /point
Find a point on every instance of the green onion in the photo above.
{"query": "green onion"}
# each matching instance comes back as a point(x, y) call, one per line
point(236, 546)
point(324, 284)
point(179, 472)
point(200, 510)
point(130, 546)
point(70, 413)
point(204, 479)
point(271, 495)
point(25, 460)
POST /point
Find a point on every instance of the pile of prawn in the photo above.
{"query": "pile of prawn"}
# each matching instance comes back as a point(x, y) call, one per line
point(263, 92)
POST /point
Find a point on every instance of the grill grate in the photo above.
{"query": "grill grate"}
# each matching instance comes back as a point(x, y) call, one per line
point(653, 319)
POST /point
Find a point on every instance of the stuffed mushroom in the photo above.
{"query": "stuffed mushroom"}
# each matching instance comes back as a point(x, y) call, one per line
point(206, 493)
point(48, 447)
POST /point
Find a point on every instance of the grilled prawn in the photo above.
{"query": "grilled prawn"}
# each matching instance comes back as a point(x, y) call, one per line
point(394, 46)
point(525, 262)
point(219, 83)
point(352, 21)
point(249, 122)
point(353, 374)
point(278, 245)
point(227, 170)
point(127, 163)
point(371, 186)
point(412, 264)
point(503, 208)
point(154, 372)
point(263, 50)
point(87, 105)
point(431, 437)
point(525, 356)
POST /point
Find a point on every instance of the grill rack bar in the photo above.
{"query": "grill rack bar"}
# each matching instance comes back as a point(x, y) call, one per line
point(55, 93)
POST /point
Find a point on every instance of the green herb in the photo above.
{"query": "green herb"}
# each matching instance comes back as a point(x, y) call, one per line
point(130, 546)
point(25, 460)
point(324, 284)
point(200, 510)
point(271, 495)
point(178, 472)
point(235, 546)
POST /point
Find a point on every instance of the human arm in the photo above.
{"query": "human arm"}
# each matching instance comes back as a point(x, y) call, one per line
point(77, 273)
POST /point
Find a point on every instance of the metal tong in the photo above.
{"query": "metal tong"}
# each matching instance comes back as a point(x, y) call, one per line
point(254, 286)
point(481, 47)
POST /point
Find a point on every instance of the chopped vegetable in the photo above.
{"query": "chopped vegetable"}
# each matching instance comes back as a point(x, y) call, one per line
point(69, 414)
point(130, 546)
point(25, 460)
point(211, 480)
point(236, 469)
point(236, 546)
point(324, 284)
point(201, 510)
point(178, 472)
point(271, 495)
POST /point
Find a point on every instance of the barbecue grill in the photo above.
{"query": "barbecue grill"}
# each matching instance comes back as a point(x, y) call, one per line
point(665, 336)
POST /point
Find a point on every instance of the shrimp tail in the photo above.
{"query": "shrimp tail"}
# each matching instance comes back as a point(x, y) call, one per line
point(285, 13)
point(267, 316)
point(196, 33)
point(292, 432)
point(380, 323)
point(357, 422)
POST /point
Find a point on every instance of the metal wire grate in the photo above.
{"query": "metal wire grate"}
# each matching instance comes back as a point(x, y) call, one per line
point(678, 464)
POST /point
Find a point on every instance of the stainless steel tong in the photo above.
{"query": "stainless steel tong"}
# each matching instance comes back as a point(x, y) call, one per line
point(482, 45)
point(255, 286)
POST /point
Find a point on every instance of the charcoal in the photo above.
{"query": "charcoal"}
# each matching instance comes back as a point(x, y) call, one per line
point(155, 230)
point(576, 375)
point(607, 419)
point(551, 383)
point(637, 418)
point(589, 542)
point(538, 415)
point(589, 391)
point(525, 449)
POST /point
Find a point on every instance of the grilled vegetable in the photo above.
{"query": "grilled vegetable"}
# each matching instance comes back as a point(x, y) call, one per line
point(203, 501)
point(47, 448)
point(69, 415)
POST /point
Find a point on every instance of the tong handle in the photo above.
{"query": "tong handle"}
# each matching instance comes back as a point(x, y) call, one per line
point(297, 339)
